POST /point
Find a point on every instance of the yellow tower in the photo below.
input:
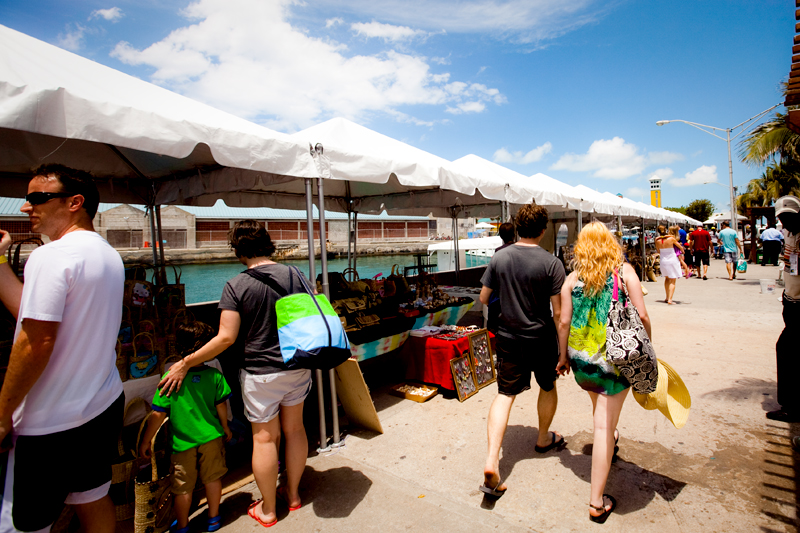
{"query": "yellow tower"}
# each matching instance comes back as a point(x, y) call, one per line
point(655, 192)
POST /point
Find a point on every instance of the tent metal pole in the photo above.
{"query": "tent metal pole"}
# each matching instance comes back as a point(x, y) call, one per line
point(162, 272)
point(323, 433)
point(153, 236)
point(455, 244)
point(644, 259)
point(349, 241)
point(355, 238)
point(580, 220)
point(323, 248)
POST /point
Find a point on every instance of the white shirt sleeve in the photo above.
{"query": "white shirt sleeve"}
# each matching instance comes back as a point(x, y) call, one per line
point(48, 278)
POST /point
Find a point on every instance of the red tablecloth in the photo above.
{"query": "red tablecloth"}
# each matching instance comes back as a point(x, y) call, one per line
point(428, 359)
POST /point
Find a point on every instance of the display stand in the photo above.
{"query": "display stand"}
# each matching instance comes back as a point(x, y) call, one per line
point(355, 397)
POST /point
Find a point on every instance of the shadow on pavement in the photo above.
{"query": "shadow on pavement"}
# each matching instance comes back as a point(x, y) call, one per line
point(634, 486)
point(334, 493)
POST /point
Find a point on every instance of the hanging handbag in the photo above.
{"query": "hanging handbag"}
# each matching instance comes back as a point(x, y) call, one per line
point(628, 346)
point(153, 492)
point(309, 331)
point(400, 282)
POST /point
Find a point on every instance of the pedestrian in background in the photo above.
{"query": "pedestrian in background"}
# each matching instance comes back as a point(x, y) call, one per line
point(730, 245)
point(675, 232)
point(787, 209)
point(670, 266)
point(507, 233)
point(585, 302)
point(700, 241)
point(771, 240)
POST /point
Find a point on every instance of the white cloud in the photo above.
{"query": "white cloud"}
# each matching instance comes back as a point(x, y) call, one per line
point(613, 159)
point(663, 173)
point(112, 14)
point(334, 22)
point(525, 21)
point(387, 32)
point(287, 78)
point(504, 156)
point(635, 193)
point(71, 40)
point(704, 174)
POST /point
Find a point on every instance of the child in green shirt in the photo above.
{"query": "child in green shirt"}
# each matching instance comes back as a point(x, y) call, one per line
point(198, 421)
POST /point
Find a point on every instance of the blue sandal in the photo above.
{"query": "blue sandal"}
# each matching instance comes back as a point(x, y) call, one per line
point(173, 528)
point(214, 523)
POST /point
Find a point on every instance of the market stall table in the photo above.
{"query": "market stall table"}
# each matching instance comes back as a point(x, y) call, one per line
point(427, 359)
point(448, 315)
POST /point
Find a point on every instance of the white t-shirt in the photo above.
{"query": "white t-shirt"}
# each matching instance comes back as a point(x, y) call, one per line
point(78, 281)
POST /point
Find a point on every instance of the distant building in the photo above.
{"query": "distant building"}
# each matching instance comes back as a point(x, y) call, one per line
point(128, 226)
point(655, 192)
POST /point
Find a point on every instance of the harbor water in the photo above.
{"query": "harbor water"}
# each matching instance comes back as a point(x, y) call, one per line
point(204, 282)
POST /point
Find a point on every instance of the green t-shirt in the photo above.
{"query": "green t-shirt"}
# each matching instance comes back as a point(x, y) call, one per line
point(193, 409)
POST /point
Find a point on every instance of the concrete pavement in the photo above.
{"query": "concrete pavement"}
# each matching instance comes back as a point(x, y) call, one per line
point(728, 469)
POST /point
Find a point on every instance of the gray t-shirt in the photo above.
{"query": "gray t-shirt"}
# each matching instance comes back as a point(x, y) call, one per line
point(255, 303)
point(526, 277)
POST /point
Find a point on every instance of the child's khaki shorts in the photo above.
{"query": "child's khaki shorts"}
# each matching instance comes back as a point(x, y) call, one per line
point(208, 458)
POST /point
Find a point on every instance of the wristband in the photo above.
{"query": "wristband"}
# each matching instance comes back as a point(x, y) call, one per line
point(3, 259)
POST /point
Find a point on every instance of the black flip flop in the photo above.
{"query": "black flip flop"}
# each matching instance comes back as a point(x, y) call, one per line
point(493, 492)
point(555, 444)
point(601, 519)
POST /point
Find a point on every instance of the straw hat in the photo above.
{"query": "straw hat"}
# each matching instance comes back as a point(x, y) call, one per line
point(671, 396)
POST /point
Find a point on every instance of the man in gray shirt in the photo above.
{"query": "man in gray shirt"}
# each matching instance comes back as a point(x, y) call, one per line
point(528, 279)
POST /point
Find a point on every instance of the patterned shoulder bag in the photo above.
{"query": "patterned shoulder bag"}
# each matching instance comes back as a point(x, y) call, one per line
point(628, 346)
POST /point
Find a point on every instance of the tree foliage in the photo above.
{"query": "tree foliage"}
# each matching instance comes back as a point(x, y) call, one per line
point(681, 209)
point(774, 146)
point(700, 209)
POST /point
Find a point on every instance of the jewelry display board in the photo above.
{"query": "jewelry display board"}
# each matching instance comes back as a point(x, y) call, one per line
point(480, 350)
point(463, 376)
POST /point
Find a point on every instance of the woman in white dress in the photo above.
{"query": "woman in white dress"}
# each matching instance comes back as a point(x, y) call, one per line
point(670, 266)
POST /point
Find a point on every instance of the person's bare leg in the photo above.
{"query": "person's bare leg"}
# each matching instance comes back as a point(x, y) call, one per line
point(729, 266)
point(98, 516)
point(684, 266)
point(213, 497)
point(495, 429)
point(705, 270)
point(182, 504)
point(266, 439)
point(546, 407)
point(666, 289)
point(671, 282)
point(294, 434)
point(606, 417)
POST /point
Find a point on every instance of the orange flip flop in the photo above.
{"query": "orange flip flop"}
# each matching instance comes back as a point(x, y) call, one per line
point(251, 511)
point(284, 495)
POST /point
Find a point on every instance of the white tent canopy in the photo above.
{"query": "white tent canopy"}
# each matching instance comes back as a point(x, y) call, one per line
point(144, 143)
point(722, 217)
point(501, 183)
point(404, 179)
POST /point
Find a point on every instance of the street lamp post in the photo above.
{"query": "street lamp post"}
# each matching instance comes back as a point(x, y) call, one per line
point(710, 130)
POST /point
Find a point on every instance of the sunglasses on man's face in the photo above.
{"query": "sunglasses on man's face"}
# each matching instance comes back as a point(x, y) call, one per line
point(36, 198)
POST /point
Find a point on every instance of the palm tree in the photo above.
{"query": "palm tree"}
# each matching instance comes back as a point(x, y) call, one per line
point(773, 144)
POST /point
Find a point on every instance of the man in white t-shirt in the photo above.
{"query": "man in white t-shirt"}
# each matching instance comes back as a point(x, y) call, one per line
point(61, 403)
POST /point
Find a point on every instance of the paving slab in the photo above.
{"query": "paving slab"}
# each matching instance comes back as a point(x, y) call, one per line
point(728, 469)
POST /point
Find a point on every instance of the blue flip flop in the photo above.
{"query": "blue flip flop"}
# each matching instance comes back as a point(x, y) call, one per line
point(214, 523)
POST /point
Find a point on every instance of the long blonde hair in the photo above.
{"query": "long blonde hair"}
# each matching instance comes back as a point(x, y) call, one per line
point(673, 230)
point(597, 254)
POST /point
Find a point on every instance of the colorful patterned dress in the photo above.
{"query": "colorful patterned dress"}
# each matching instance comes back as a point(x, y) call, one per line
point(586, 347)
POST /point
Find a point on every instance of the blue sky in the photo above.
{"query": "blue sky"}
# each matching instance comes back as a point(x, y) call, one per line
point(569, 88)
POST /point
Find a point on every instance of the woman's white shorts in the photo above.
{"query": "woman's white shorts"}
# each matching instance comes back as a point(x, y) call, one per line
point(264, 394)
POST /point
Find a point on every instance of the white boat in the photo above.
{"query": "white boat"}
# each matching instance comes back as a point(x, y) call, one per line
point(443, 253)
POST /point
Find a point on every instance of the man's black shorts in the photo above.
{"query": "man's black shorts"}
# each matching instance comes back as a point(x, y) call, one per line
point(47, 468)
point(517, 358)
point(701, 257)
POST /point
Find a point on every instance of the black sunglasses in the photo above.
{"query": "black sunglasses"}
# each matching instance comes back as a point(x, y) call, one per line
point(36, 198)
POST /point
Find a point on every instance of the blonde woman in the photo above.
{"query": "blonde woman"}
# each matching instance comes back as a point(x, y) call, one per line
point(670, 266)
point(585, 301)
point(675, 232)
